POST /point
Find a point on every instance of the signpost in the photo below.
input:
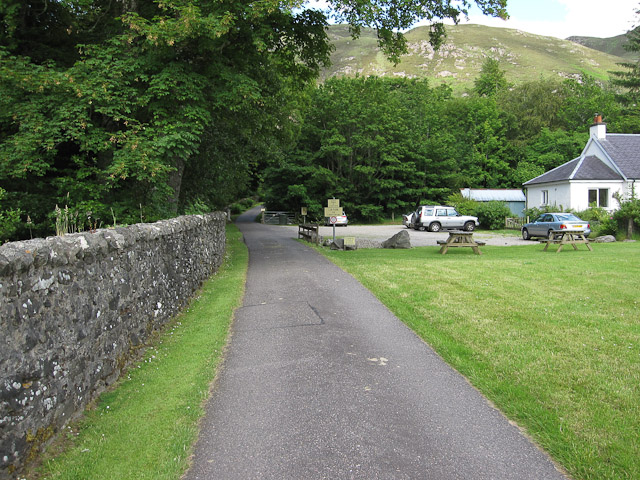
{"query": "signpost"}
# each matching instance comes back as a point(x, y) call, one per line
point(332, 210)
point(303, 212)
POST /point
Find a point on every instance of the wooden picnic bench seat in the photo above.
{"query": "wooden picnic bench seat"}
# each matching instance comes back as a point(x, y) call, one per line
point(480, 244)
point(460, 238)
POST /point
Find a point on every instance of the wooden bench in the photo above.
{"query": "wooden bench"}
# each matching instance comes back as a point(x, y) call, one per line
point(444, 242)
point(459, 238)
point(566, 237)
point(310, 232)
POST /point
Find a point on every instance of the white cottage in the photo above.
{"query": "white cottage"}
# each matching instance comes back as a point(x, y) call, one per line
point(609, 163)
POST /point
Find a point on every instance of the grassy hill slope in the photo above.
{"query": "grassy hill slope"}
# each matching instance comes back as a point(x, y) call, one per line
point(612, 45)
point(523, 56)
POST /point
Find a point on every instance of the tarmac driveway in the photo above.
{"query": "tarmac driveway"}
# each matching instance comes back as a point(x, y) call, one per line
point(321, 381)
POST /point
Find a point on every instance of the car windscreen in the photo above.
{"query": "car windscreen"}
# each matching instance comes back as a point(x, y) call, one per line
point(568, 217)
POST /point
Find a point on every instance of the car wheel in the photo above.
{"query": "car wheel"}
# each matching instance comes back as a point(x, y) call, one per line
point(434, 227)
point(469, 226)
point(525, 234)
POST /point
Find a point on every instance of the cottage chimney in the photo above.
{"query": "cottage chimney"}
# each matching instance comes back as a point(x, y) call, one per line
point(599, 129)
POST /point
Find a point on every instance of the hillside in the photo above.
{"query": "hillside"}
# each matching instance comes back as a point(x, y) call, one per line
point(612, 45)
point(522, 55)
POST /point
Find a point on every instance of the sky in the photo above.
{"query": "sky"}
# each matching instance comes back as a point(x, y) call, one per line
point(559, 18)
point(565, 18)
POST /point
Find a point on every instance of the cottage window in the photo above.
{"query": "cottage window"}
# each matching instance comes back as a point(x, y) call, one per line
point(545, 197)
point(603, 197)
point(599, 197)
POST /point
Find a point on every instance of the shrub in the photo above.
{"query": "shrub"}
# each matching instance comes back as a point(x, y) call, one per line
point(463, 205)
point(629, 211)
point(491, 215)
point(197, 207)
point(594, 214)
point(608, 226)
point(368, 213)
point(241, 206)
point(9, 221)
point(535, 212)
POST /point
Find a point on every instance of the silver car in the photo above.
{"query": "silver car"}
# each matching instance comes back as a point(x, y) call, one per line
point(542, 226)
point(440, 217)
point(407, 220)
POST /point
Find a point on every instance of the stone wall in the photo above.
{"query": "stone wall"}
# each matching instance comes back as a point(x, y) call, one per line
point(73, 310)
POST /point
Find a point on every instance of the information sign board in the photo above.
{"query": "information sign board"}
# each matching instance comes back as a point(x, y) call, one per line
point(333, 203)
point(332, 211)
point(350, 241)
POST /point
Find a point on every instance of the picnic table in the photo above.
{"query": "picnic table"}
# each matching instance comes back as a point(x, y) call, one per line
point(566, 237)
point(460, 238)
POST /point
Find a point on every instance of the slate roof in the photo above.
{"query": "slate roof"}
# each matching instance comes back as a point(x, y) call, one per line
point(592, 168)
point(624, 150)
point(488, 195)
point(587, 168)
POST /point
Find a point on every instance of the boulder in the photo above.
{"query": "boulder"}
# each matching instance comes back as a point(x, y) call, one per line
point(399, 240)
point(338, 244)
point(604, 239)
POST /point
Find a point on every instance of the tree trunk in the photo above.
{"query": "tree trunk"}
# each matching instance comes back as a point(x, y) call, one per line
point(175, 182)
point(630, 228)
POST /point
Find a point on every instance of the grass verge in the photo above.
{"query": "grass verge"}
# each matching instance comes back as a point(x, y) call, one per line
point(145, 427)
point(553, 340)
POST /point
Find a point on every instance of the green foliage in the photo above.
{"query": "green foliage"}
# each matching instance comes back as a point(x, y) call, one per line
point(628, 215)
point(156, 94)
point(535, 212)
point(159, 106)
point(241, 206)
point(629, 78)
point(594, 214)
point(197, 207)
point(463, 205)
point(9, 219)
point(492, 79)
point(360, 142)
point(491, 215)
point(608, 226)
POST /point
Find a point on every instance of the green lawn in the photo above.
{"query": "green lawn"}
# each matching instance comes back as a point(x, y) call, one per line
point(552, 339)
point(145, 427)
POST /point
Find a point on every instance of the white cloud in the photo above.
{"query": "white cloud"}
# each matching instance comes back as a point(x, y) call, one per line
point(593, 18)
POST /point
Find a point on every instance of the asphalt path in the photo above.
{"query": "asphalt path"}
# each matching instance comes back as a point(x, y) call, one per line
point(321, 381)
